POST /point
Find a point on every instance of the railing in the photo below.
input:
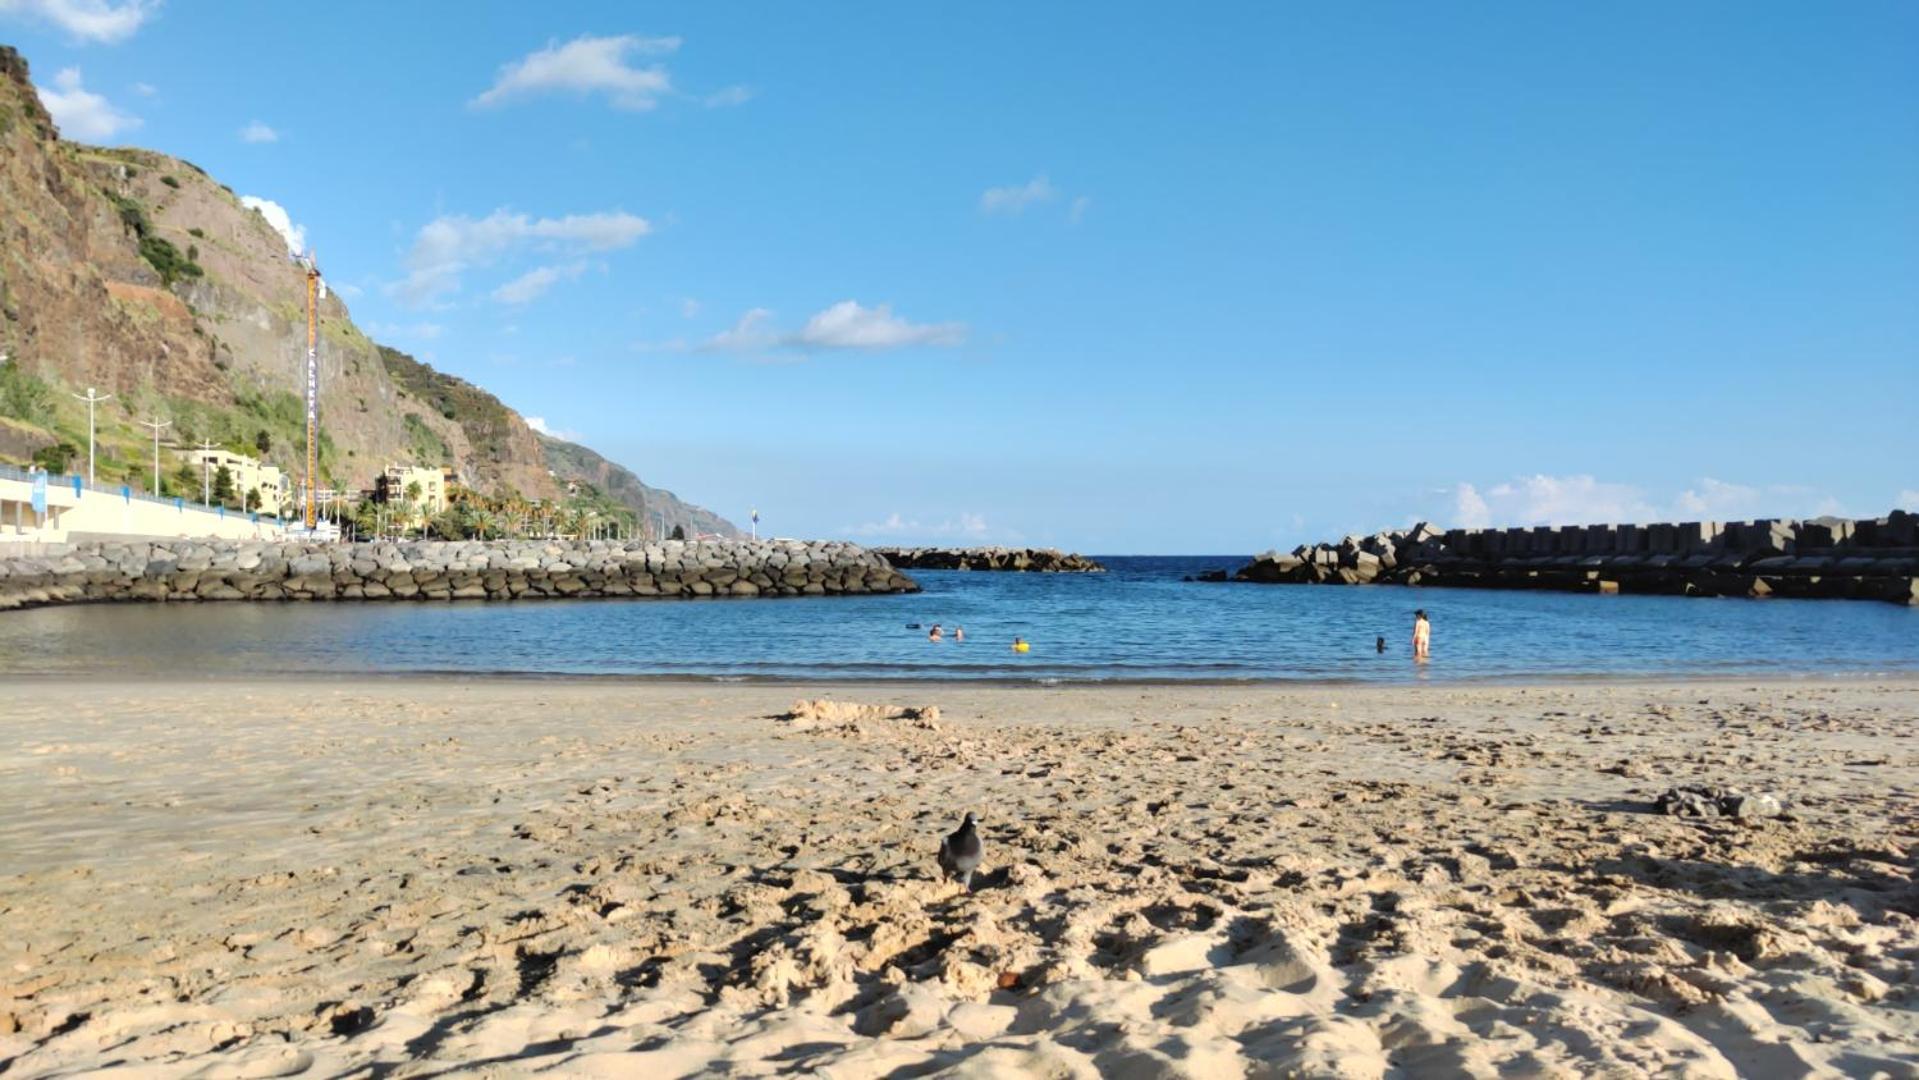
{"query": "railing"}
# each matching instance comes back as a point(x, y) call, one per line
point(76, 483)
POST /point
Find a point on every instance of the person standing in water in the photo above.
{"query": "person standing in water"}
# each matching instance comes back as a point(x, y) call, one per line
point(935, 633)
point(1422, 635)
point(959, 633)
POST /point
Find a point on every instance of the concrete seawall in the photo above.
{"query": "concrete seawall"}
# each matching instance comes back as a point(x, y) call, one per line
point(1037, 560)
point(1869, 559)
point(184, 570)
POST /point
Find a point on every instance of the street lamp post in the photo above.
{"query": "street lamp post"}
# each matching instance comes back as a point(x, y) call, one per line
point(206, 475)
point(91, 398)
point(156, 425)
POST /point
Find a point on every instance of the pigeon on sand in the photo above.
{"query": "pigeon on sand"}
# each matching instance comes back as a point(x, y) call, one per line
point(960, 854)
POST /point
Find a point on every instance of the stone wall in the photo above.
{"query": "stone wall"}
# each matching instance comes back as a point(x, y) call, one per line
point(180, 570)
point(1043, 560)
point(1871, 559)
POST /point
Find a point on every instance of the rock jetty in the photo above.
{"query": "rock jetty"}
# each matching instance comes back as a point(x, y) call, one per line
point(1870, 559)
point(472, 570)
point(1037, 560)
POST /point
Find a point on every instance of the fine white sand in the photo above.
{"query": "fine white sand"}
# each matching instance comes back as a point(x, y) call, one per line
point(407, 877)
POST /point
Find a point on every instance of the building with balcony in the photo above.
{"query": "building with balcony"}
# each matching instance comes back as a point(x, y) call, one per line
point(248, 474)
point(393, 484)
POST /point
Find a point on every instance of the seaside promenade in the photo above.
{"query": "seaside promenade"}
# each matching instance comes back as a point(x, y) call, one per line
point(40, 509)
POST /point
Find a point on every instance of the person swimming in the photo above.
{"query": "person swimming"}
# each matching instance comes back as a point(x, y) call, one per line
point(935, 634)
point(1422, 635)
point(959, 633)
point(1380, 644)
point(1020, 645)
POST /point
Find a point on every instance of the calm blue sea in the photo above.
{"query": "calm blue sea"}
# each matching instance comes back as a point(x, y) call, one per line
point(1138, 622)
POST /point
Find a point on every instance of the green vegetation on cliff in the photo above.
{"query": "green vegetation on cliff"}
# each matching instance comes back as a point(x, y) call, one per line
point(135, 273)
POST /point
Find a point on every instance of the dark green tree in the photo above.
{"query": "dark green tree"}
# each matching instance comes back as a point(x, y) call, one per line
point(57, 458)
point(223, 485)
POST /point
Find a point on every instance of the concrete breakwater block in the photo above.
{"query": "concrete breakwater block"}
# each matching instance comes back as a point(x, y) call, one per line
point(1870, 559)
point(1037, 560)
point(192, 570)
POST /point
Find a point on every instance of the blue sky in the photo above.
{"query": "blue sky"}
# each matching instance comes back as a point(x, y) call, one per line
point(1125, 278)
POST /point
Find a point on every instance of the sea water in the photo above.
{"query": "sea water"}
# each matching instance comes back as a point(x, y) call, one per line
point(1140, 621)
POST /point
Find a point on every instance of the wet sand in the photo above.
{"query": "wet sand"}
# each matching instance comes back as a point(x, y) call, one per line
point(408, 877)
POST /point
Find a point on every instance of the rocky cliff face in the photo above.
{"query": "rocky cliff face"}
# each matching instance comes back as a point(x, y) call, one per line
point(571, 461)
point(139, 274)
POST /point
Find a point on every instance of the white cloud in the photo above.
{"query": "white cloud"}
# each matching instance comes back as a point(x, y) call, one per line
point(89, 20)
point(447, 246)
point(1907, 500)
point(732, 95)
point(1716, 500)
point(351, 292)
point(1013, 200)
point(536, 281)
point(1584, 500)
point(689, 308)
point(1077, 212)
point(751, 332)
point(257, 132)
point(539, 424)
point(847, 325)
point(588, 65)
point(969, 526)
point(282, 222)
point(80, 113)
point(1550, 500)
point(145, 89)
point(421, 331)
point(1469, 508)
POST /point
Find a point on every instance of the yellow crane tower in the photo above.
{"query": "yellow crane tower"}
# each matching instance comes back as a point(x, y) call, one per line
point(316, 290)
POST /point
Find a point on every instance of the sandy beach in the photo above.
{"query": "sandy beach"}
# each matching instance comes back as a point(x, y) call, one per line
point(411, 877)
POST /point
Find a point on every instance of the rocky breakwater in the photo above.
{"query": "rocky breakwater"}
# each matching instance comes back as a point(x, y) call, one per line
point(475, 570)
point(1869, 559)
point(1037, 560)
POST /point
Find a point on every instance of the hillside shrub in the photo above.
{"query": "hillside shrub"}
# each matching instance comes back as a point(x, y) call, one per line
point(24, 396)
point(57, 458)
point(167, 260)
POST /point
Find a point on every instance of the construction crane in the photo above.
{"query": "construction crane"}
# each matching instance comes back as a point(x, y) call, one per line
point(316, 292)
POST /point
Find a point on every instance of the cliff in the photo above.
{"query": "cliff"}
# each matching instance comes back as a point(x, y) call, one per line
point(571, 461)
point(138, 274)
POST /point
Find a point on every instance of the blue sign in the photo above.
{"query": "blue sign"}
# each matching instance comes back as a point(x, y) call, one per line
point(40, 493)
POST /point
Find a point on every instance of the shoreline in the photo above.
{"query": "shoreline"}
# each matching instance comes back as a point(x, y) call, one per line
point(408, 876)
point(1771, 678)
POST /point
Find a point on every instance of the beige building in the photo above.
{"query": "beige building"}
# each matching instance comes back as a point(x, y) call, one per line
point(395, 481)
point(248, 475)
